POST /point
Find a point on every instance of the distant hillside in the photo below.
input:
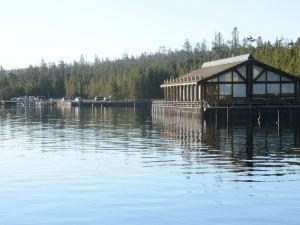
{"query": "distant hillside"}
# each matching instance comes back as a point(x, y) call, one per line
point(140, 77)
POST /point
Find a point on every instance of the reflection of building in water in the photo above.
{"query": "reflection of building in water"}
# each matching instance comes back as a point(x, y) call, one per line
point(239, 141)
point(188, 132)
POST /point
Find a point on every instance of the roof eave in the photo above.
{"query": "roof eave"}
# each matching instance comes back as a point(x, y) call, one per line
point(195, 82)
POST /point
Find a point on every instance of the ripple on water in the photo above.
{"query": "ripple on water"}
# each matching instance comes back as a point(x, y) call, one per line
point(121, 166)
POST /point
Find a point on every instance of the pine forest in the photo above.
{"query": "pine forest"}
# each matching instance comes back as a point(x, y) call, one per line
point(140, 77)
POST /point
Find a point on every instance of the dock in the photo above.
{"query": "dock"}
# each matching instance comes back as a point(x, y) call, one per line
point(7, 102)
point(114, 103)
point(201, 109)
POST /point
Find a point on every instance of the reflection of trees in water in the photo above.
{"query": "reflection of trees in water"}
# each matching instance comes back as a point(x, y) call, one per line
point(240, 141)
point(31, 115)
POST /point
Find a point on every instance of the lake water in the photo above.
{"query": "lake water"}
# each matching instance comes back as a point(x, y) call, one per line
point(122, 166)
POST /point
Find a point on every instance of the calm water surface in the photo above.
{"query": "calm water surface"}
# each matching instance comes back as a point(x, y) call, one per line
point(120, 166)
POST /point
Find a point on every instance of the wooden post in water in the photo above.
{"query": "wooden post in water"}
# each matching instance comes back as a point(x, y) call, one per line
point(227, 114)
point(278, 122)
point(278, 118)
point(258, 119)
point(216, 119)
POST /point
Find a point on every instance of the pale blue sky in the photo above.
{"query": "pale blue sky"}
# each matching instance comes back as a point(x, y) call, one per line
point(65, 29)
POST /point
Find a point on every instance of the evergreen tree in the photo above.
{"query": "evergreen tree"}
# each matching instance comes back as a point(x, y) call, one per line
point(140, 77)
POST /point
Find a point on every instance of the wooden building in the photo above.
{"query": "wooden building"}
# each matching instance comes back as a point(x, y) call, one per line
point(233, 80)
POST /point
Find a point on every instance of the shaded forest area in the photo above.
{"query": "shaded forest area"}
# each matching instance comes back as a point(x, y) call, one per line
point(140, 77)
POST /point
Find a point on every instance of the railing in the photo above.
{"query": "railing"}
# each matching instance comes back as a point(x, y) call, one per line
point(181, 104)
point(255, 103)
point(227, 104)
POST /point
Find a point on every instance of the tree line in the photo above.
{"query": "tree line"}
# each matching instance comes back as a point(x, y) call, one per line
point(140, 77)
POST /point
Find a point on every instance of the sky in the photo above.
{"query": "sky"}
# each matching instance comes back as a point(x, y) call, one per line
point(56, 30)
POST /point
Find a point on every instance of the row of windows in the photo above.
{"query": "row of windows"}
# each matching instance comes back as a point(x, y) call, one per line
point(265, 84)
point(268, 76)
point(231, 76)
point(225, 90)
point(236, 90)
point(261, 89)
point(239, 90)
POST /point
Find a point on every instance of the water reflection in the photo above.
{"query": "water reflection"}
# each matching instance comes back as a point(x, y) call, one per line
point(241, 146)
point(58, 117)
point(73, 129)
point(81, 166)
point(192, 146)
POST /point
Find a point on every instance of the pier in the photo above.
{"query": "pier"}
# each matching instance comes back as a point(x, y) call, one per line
point(82, 103)
point(180, 108)
point(7, 102)
point(114, 103)
point(258, 109)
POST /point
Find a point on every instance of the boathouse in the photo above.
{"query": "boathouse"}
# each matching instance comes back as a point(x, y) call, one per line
point(240, 80)
point(233, 79)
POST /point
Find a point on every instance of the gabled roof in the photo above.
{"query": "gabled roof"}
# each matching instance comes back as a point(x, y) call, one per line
point(210, 68)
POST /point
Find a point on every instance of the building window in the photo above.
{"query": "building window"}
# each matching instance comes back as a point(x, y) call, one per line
point(242, 71)
point(256, 71)
point(262, 77)
point(227, 77)
point(288, 88)
point(239, 90)
point(211, 92)
point(273, 76)
point(225, 89)
point(259, 89)
point(236, 77)
point(273, 90)
point(285, 79)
